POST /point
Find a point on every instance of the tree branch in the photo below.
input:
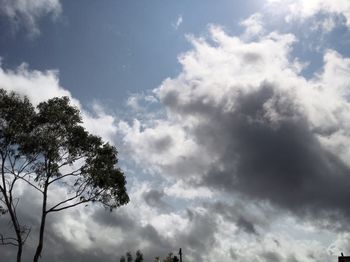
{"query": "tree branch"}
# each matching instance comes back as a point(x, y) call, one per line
point(8, 241)
point(31, 184)
point(55, 209)
point(68, 206)
point(66, 175)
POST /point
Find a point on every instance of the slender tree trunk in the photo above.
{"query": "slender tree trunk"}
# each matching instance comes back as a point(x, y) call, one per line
point(42, 225)
point(11, 211)
point(19, 251)
point(17, 230)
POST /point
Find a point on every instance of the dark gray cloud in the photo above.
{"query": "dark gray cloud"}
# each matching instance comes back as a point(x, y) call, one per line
point(271, 257)
point(292, 259)
point(120, 219)
point(199, 237)
point(57, 248)
point(282, 162)
point(154, 198)
point(161, 144)
point(248, 218)
point(246, 225)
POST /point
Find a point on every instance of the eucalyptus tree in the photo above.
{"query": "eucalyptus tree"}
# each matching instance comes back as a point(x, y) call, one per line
point(47, 148)
point(139, 256)
point(16, 115)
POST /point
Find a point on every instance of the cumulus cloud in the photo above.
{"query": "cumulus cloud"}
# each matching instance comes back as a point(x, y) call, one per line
point(305, 9)
point(242, 126)
point(253, 25)
point(39, 86)
point(149, 222)
point(27, 13)
point(255, 125)
point(182, 190)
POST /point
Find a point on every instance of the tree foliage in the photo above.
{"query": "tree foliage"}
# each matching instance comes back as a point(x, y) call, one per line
point(128, 257)
point(47, 148)
point(138, 258)
point(170, 258)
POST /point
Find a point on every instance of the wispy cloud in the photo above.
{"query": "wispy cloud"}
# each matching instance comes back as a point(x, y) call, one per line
point(296, 10)
point(253, 25)
point(178, 22)
point(27, 13)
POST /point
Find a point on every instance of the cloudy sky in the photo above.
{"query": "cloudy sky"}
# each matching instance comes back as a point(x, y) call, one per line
point(231, 119)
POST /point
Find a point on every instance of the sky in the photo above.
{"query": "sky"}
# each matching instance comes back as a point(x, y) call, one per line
point(231, 119)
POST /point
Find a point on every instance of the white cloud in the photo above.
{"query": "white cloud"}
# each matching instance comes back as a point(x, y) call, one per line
point(216, 75)
point(253, 25)
point(29, 12)
point(140, 102)
point(181, 190)
point(161, 147)
point(39, 86)
point(301, 9)
point(178, 22)
point(214, 78)
point(326, 25)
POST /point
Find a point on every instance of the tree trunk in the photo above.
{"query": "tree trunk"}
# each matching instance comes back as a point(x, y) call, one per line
point(19, 252)
point(42, 226)
point(41, 239)
point(18, 232)
point(11, 212)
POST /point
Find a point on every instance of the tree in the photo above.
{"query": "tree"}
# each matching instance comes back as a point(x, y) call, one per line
point(128, 257)
point(169, 258)
point(15, 117)
point(139, 256)
point(48, 148)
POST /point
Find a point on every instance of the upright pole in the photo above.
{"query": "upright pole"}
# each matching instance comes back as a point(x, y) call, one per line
point(180, 253)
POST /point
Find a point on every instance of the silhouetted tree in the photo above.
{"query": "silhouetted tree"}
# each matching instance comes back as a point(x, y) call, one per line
point(122, 259)
point(128, 257)
point(139, 256)
point(47, 147)
point(169, 258)
point(16, 116)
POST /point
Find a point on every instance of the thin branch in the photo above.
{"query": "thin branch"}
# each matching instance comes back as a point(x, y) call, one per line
point(3, 201)
point(63, 202)
point(55, 209)
point(31, 184)
point(28, 232)
point(69, 206)
point(8, 241)
point(70, 161)
point(21, 169)
point(61, 177)
point(11, 187)
point(82, 187)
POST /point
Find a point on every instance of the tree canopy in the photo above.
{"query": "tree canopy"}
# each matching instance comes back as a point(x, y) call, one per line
point(47, 147)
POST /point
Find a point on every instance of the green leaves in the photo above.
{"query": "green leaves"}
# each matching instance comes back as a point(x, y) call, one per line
point(51, 137)
point(16, 114)
point(46, 146)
